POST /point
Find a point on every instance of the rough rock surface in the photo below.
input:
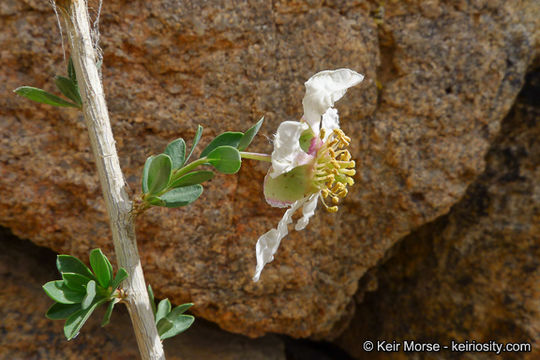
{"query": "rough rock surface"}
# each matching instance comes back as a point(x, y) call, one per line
point(27, 334)
point(440, 76)
point(473, 274)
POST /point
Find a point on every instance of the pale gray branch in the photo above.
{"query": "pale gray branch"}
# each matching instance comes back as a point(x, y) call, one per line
point(75, 14)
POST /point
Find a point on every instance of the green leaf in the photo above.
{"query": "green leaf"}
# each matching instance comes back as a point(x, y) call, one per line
point(76, 282)
point(71, 71)
point(192, 178)
point(109, 265)
point(163, 326)
point(225, 159)
point(152, 300)
point(154, 200)
point(180, 324)
point(198, 135)
point(70, 264)
point(226, 139)
point(177, 152)
point(108, 312)
point(59, 292)
point(181, 196)
point(159, 173)
point(42, 96)
point(145, 175)
point(121, 275)
point(180, 309)
point(101, 266)
point(90, 294)
point(62, 311)
point(75, 322)
point(69, 89)
point(164, 307)
point(249, 135)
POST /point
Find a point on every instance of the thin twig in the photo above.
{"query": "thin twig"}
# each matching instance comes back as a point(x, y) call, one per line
point(75, 14)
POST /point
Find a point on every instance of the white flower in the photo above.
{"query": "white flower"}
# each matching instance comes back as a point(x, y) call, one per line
point(309, 160)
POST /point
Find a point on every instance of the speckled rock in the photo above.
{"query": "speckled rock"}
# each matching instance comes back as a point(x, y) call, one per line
point(440, 76)
point(472, 275)
point(27, 334)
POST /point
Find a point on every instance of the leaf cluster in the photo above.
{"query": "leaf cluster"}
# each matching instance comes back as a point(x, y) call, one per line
point(170, 322)
point(67, 86)
point(82, 290)
point(170, 180)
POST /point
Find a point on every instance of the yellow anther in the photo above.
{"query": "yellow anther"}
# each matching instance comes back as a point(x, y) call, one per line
point(337, 187)
point(344, 155)
point(344, 164)
point(349, 172)
point(329, 177)
point(332, 209)
point(335, 200)
point(332, 153)
point(345, 140)
point(343, 193)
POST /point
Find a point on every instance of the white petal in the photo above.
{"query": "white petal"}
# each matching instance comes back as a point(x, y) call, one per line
point(330, 121)
point(287, 153)
point(323, 90)
point(268, 243)
point(308, 210)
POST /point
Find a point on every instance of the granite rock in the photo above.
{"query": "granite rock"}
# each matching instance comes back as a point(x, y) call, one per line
point(440, 76)
point(473, 274)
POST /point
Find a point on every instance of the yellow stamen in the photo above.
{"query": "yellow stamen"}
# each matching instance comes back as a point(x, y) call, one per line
point(334, 168)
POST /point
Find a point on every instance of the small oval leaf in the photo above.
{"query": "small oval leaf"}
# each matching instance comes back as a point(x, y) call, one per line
point(59, 292)
point(181, 196)
point(121, 275)
point(108, 312)
point(225, 159)
point(154, 200)
point(42, 96)
point(62, 311)
point(75, 322)
point(180, 309)
point(180, 324)
point(226, 139)
point(71, 71)
point(164, 307)
point(76, 282)
point(193, 178)
point(145, 175)
point(69, 89)
point(163, 326)
point(101, 266)
point(248, 136)
point(196, 139)
point(70, 264)
point(177, 152)
point(90, 295)
point(159, 173)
